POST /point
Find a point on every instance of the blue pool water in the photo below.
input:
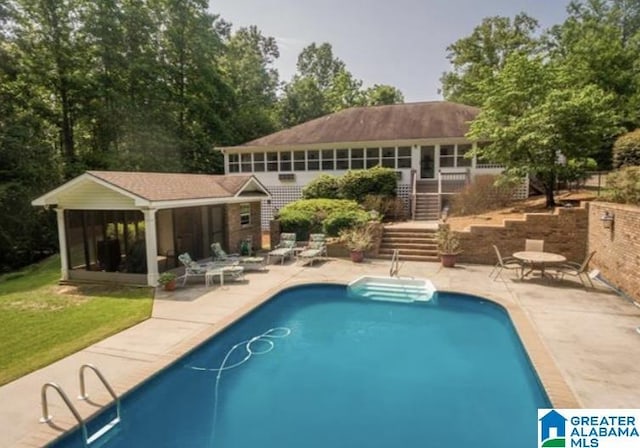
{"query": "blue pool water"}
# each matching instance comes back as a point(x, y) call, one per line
point(351, 373)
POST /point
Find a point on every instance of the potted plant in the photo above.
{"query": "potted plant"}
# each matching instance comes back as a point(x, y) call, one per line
point(357, 239)
point(448, 246)
point(167, 280)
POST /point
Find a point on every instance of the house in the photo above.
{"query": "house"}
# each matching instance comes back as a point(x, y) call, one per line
point(424, 142)
point(553, 425)
point(128, 227)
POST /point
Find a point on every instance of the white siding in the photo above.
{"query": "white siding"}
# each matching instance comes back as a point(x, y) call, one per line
point(92, 196)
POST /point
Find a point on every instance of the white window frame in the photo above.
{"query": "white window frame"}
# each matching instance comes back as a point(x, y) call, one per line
point(245, 215)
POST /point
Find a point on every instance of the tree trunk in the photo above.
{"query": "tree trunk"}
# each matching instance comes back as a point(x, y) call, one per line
point(549, 185)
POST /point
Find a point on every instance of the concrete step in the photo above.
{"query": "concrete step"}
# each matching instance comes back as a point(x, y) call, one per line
point(411, 257)
point(411, 246)
point(409, 237)
point(411, 252)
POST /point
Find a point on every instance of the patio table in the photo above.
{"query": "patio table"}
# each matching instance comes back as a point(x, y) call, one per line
point(536, 260)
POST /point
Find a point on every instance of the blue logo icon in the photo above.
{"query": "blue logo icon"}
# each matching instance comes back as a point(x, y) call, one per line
point(553, 430)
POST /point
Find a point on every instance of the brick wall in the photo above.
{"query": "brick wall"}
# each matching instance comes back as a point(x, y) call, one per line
point(236, 233)
point(617, 249)
point(564, 232)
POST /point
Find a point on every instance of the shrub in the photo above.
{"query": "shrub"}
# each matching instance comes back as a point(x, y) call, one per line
point(576, 171)
point(485, 193)
point(624, 185)
point(340, 220)
point(389, 208)
point(358, 238)
point(324, 186)
point(307, 215)
point(357, 184)
point(626, 150)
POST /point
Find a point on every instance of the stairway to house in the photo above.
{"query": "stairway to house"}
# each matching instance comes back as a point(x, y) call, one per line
point(427, 207)
point(416, 244)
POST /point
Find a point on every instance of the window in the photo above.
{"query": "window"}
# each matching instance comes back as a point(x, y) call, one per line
point(342, 159)
point(272, 161)
point(299, 161)
point(447, 156)
point(327, 159)
point(258, 162)
point(389, 157)
point(357, 159)
point(404, 157)
point(234, 163)
point(245, 214)
point(313, 160)
point(285, 161)
point(461, 160)
point(373, 157)
point(245, 165)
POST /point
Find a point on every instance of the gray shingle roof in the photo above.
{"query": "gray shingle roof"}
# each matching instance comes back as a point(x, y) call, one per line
point(173, 186)
point(433, 119)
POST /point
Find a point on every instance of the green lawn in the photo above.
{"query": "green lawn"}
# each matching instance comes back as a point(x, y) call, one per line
point(41, 321)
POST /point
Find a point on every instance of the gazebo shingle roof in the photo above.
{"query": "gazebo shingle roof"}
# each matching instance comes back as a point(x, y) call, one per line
point(433, 119)
point(173, 186)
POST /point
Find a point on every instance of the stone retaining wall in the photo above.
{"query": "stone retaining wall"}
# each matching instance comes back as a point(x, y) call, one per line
point(564, 232)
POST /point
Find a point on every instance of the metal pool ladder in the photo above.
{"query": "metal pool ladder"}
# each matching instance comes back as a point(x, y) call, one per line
point(83, 396)
point(395, 263)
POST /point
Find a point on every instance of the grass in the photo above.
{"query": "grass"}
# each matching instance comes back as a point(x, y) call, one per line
point(41, 322)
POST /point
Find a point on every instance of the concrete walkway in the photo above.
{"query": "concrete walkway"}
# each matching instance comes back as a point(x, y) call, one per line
point(587, 337)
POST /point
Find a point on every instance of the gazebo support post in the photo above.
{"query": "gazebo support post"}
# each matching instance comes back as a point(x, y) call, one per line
point(62, 238)
point(151, 245)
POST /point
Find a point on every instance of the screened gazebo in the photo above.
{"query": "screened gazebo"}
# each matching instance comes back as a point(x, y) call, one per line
point(127, 227)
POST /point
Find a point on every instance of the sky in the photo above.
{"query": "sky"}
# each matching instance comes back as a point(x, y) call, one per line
point(398, 42)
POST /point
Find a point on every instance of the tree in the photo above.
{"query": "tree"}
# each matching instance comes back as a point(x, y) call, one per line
point(302, 100)
point(323, 85)
point(317, 62)
point(381, 94)
point(600, 42)
point(533, 113)
point(248, 67)
point(478, 58)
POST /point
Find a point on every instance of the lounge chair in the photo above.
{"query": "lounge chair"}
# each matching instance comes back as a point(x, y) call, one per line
point(192, 268)
point(316, 248)
point(509, 263)
point(219, 256)
point(576, 269)
point(285, 248)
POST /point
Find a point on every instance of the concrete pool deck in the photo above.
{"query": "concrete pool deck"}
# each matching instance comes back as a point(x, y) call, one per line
point(583, 343)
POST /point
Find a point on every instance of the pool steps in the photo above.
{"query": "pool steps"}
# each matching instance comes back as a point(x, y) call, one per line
point(392, 289)
point(46, 418)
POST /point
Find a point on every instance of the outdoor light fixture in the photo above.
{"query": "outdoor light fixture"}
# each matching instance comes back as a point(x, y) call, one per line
point(607, 220)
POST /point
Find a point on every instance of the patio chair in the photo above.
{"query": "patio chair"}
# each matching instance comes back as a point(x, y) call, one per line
point(576, 269)
point(316, 248)
point(285, 248)
point(192, 268)
point(509, 263)
point(534, 245)
point(219, 256)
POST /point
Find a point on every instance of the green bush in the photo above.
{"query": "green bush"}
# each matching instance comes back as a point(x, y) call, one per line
point(324, 186)
point(575, 172)
point(357, 184)
point(307, 215)
point(624, 185)
point(626, 150)
point(339, 220)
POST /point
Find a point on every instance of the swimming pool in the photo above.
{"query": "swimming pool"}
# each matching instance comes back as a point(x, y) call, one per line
point(333, 370)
